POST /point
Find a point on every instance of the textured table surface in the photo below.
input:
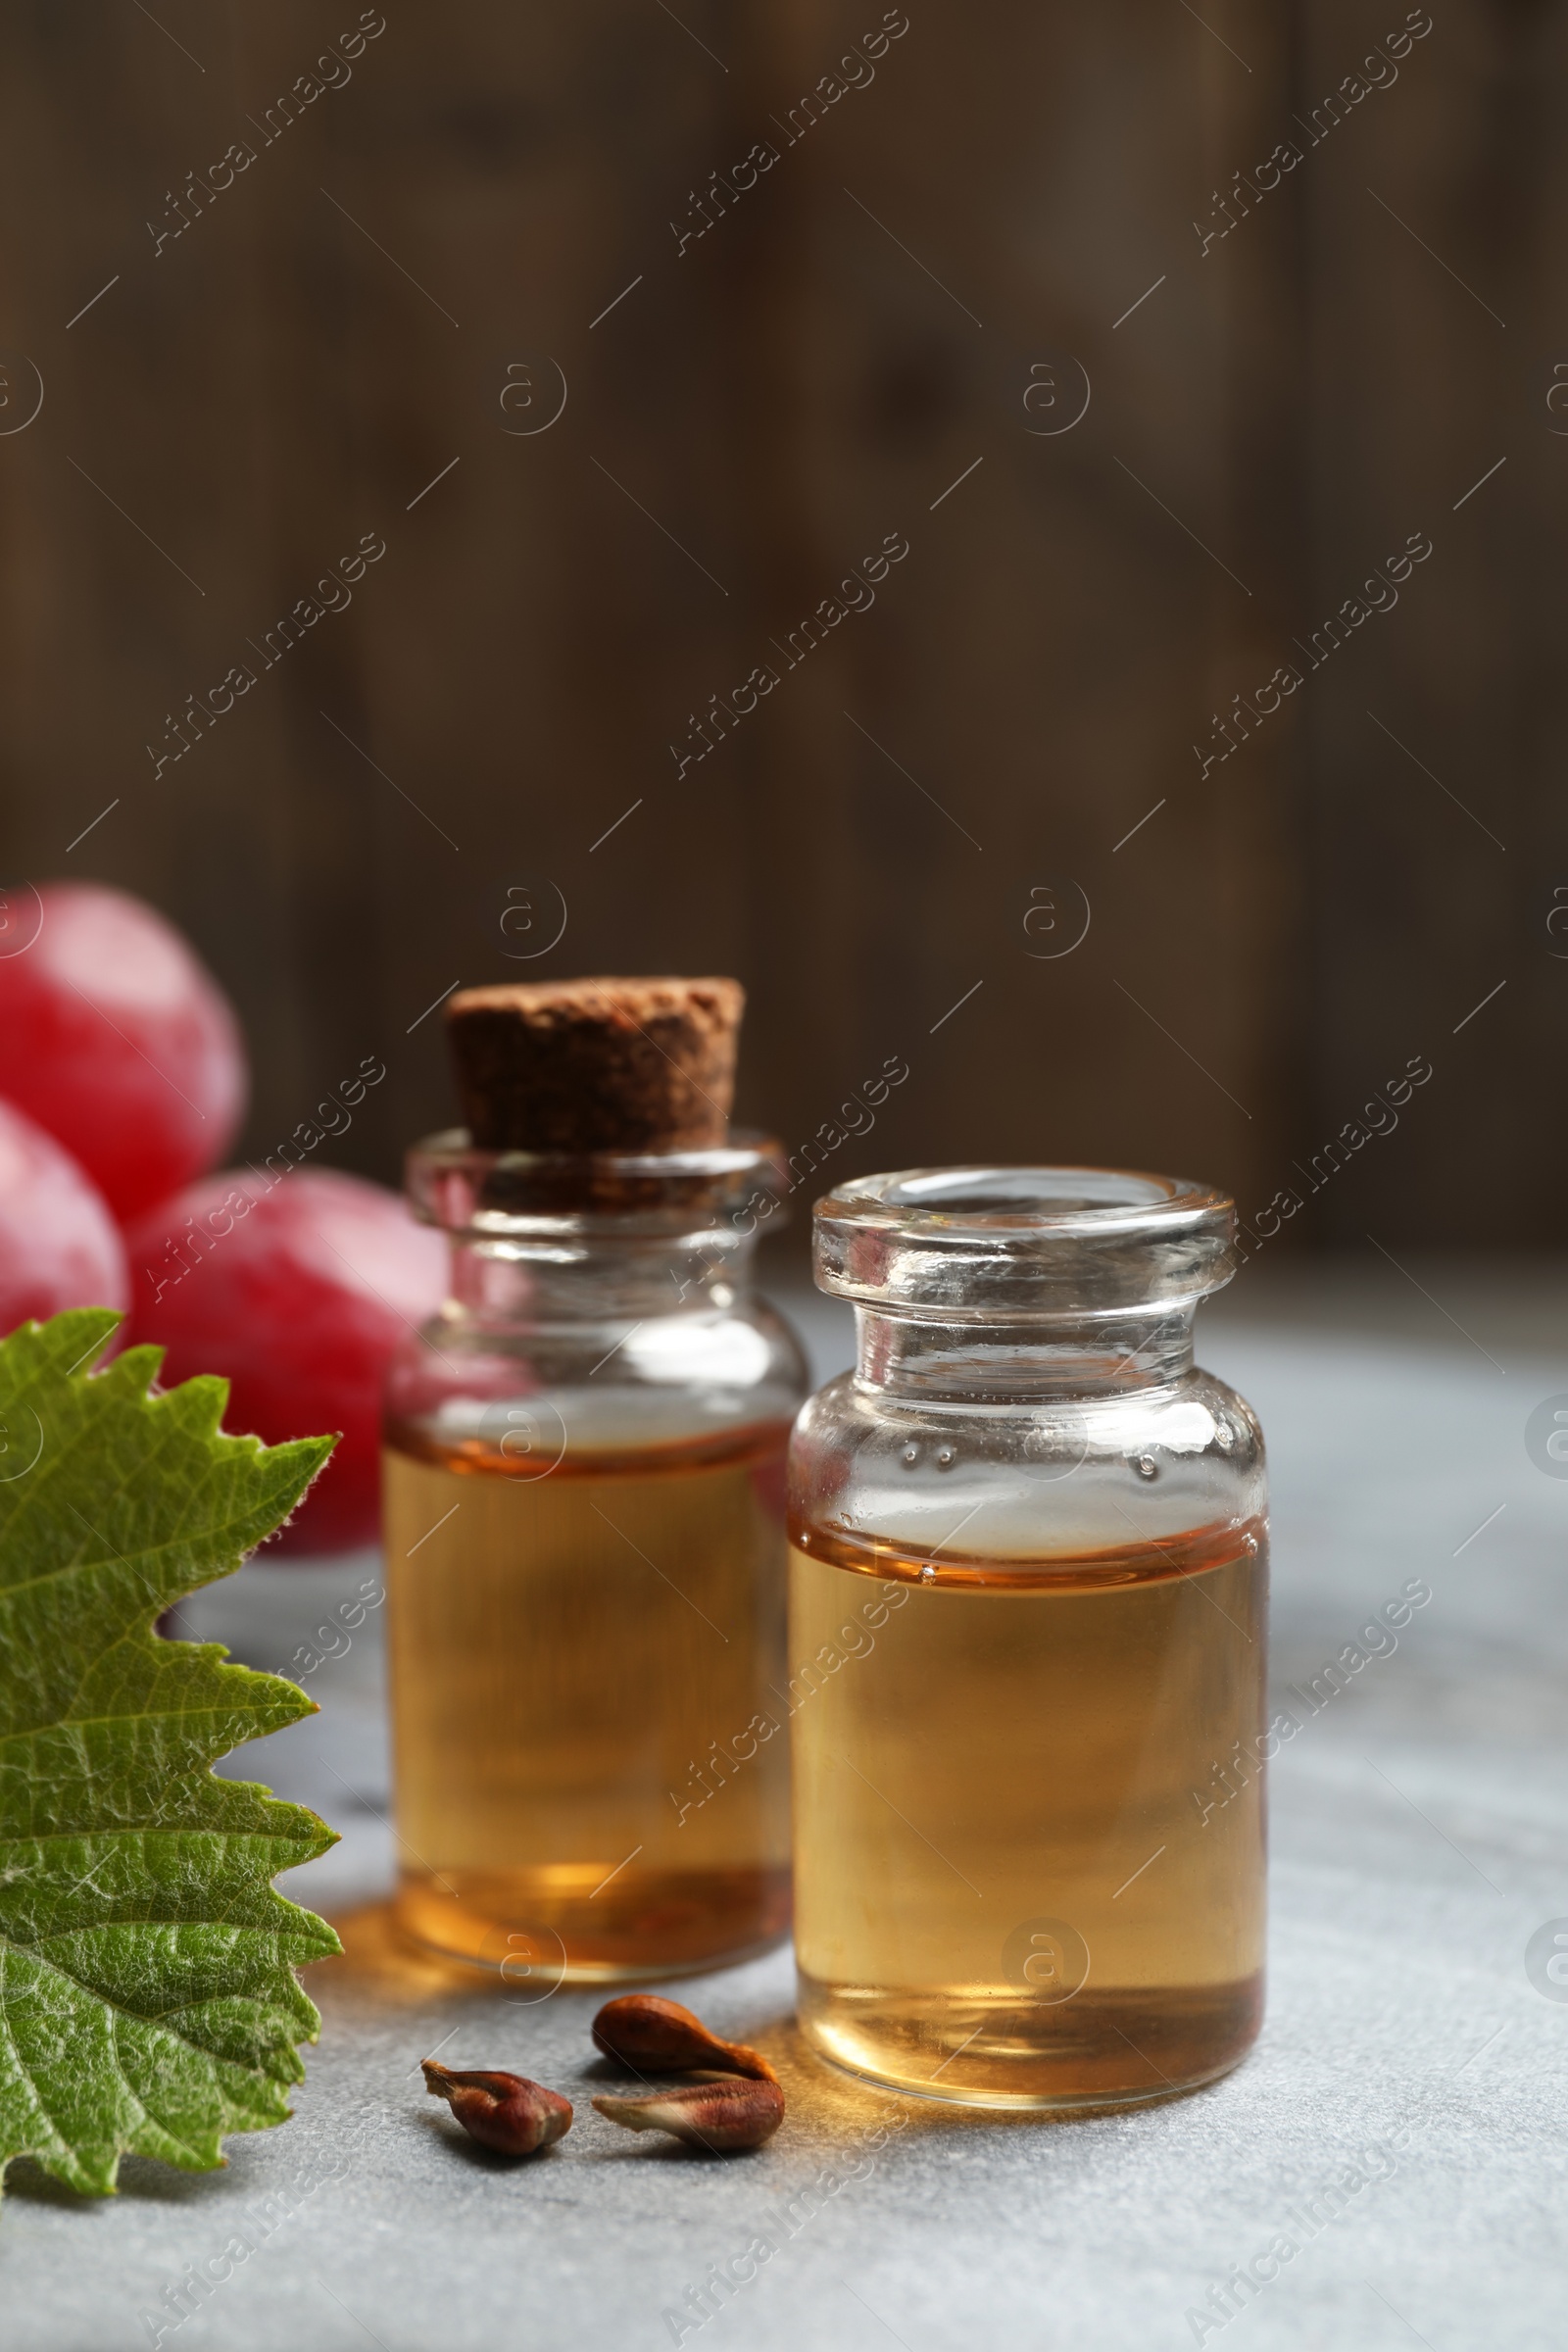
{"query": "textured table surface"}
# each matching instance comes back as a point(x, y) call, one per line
point(1402, 2123)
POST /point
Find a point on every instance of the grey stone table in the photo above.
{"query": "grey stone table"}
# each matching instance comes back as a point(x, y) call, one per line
point(1399, 2127)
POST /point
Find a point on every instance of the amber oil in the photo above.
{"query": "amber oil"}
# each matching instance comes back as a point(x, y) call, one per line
point(581, 1664)
point(1014, 1897)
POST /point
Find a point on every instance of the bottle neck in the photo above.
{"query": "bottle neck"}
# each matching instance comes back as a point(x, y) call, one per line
point(977, 1363)
point(591, 1278)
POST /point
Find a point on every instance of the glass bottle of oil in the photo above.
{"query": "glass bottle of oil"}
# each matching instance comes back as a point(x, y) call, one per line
point(1027, 1632)
point(584, 1459)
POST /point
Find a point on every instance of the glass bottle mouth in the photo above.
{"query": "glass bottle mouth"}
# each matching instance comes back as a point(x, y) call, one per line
point(519, 1196)
point(1029, 1243)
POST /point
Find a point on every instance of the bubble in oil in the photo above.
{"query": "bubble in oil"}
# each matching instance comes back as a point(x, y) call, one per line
point(909, 1456)
point(1249, 1544)
point(1147, 1466)
point(945, 1457)
point(928, 1575)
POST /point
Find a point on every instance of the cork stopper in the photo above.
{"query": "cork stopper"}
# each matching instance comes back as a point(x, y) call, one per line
point(598, 1064)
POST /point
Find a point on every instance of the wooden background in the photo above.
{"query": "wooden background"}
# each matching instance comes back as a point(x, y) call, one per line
point(333, 332)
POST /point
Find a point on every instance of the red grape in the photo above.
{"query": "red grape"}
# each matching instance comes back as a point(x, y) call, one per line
point(58, 1245)
point(116, 1040)
point(297, 1290)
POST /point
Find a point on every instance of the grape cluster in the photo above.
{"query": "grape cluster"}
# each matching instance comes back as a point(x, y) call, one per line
point(122, 1080)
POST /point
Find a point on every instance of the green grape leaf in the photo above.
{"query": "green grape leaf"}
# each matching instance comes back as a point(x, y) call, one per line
point(148, 2000)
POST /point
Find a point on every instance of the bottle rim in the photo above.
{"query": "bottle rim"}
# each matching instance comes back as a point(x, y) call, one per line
point(990, 1243)
point(471, 1193)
